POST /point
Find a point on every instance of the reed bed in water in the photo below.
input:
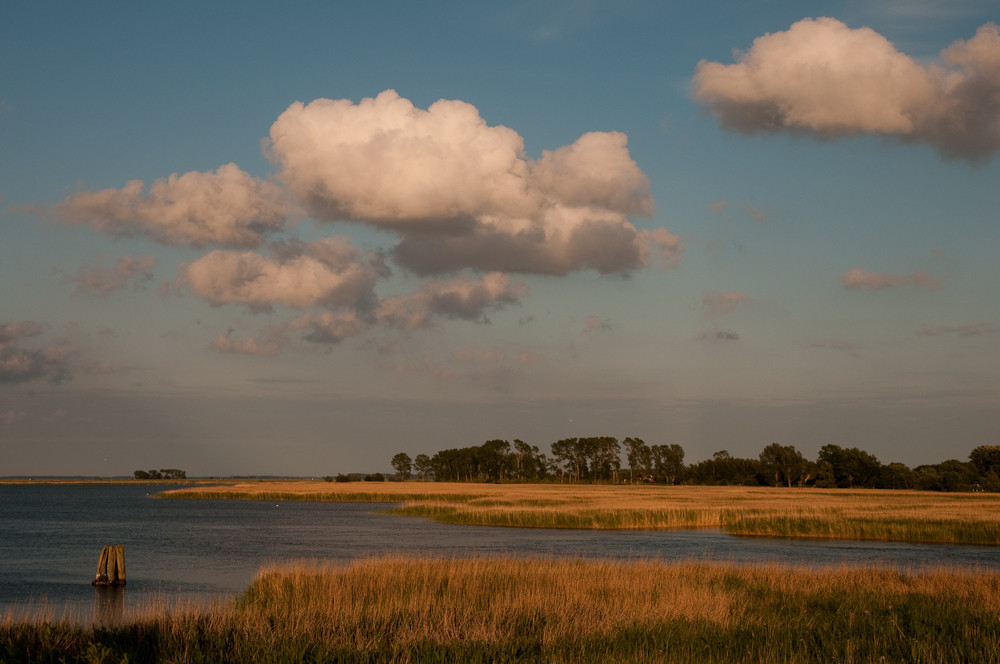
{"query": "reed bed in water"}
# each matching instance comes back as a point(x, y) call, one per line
point(902, 516)
point(516, 610)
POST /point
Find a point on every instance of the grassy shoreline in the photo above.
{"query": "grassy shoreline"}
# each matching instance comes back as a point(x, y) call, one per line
point(523, 610)
point(873, 515)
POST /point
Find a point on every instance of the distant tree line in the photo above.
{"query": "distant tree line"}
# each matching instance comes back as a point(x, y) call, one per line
point(161, 474)
point(599, 460)
point(355, 477)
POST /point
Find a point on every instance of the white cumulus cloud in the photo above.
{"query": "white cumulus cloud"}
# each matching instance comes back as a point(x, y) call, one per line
point(824, 78)
point(463, 194)
point(328, 272)
point(228, 207)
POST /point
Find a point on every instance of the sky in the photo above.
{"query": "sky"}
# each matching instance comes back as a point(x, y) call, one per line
point(239, 238)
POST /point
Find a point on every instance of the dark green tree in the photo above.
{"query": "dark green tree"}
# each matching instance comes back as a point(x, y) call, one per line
point(526, 462)
point(403, 465)
point(638, 456)
point(725, 469)
point(849, 468)
point(986, 459)
point(564, 459)
point(422, 464)
point(603, 457)
point(494, 460)
point(950, 475)
point(784, 464)
point(897, 475)
point(667, 462)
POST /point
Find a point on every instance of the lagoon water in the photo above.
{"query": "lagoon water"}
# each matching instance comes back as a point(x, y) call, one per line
point(193, 551)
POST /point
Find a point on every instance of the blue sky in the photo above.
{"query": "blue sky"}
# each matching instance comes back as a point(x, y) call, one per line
point(244, 239)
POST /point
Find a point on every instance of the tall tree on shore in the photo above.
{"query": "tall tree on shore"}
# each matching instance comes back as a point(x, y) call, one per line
point(638, 455)
point(784, 463)
point(668, 461)
point(849, 468)
point(526, 462)
point(564, 458)
point(422, 464)
point(604, 456)
point(495, 459)
point(403, 465)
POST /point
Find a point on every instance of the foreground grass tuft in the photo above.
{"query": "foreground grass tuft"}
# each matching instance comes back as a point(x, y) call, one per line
point(515, 610)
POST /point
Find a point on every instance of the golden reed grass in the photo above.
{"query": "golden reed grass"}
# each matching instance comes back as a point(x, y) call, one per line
point(416, 599)
point(544, 610)
point(906, 516)
point(484, 600)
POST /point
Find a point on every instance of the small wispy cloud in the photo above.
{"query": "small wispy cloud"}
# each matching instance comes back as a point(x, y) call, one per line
point(227, 343)
point(717, 334)
point(13, 417)
point(22, 365)
point(19, 330)
point(963, 330)
point(329, 327)
point(97, 367)
point(716, 304)
point(97, 278)
point(838, 345)
point(597, 324)
point(861, 279)
point(720, 303)
point(487, 356)
point(528, 357)
point(462, 298)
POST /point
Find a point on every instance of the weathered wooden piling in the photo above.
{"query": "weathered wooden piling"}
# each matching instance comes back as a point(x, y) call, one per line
point(111, 566)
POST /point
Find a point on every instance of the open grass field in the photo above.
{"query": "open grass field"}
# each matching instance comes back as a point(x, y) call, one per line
point(504, 610)
point(898, 516)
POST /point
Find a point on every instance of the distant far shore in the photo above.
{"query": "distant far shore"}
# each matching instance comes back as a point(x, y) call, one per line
point(117, 480)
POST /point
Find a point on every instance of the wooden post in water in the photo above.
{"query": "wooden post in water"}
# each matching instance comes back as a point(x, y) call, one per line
point(111, 566)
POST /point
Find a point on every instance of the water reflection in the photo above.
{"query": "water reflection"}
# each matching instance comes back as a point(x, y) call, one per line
point(109, 605)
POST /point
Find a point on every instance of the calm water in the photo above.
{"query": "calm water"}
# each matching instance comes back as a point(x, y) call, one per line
point(194, 550)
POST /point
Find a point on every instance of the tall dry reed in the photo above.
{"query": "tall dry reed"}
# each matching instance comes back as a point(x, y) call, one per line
point(505, 610)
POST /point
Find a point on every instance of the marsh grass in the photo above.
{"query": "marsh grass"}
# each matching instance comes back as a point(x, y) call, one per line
point(517, 610)
point(901, 516)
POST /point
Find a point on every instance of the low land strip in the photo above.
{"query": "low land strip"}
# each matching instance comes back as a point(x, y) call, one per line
point(518, 610)
point(877, 515)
